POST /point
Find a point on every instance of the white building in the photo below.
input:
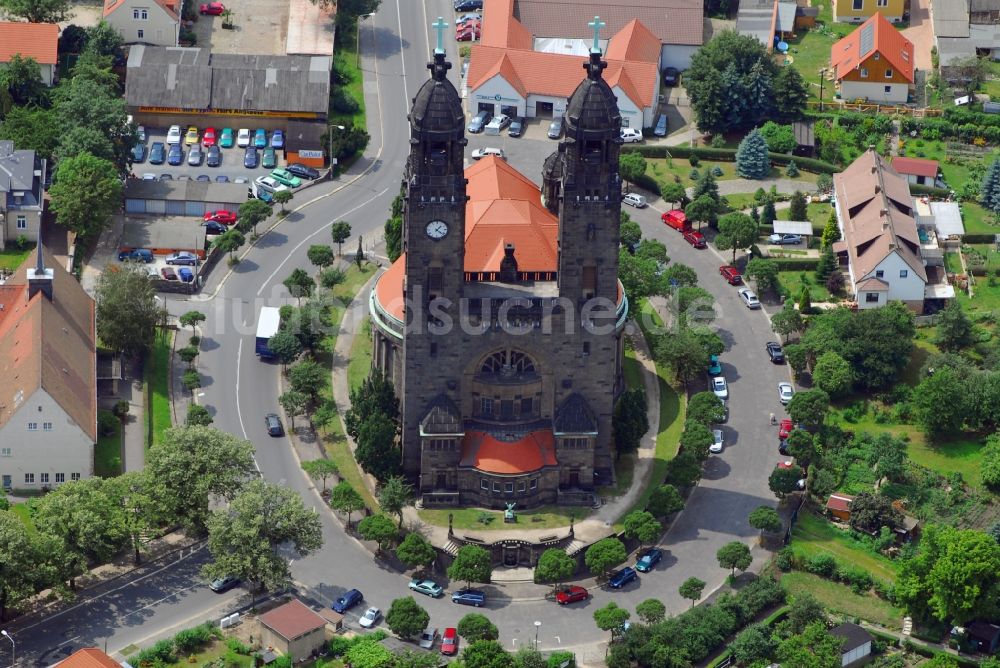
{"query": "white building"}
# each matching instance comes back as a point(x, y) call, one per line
point(155, 22)
point(48, 377)
point(31, 40)
point(22, 176)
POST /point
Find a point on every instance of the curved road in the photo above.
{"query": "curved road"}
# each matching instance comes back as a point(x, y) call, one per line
point(240, 389)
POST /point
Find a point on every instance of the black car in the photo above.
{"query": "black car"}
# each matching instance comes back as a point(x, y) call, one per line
point(468, 5)
point(273, 423)
point(212, 227)
point(220, 585)
point(157, 153)
point(138, 153)
point(250, 158)
point(671, 77)
point(222, 178)
point(302, 171)
point(516, 127)
point(204, 178)
point(775, 352)
point(214, 156)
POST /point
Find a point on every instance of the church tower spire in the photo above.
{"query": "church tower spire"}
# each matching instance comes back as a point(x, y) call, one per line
point(40, 278)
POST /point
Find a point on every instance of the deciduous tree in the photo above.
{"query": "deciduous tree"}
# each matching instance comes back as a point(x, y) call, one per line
point(285, 346)
point(37, 11)
point(554, 567)
point(954, 329)
point(192, 319)
point(416, 552)
point(283, 197)
point(475, 626)
point(380, 529)
point(651, 611)
point(691, 589)
point(472, 564)
point(405, 618)
point(294, 403)
point(642, 526)
point(939, 402)
point(198, 415)
point(321, 470)
point(604, 555)
point(320, 255)
point(20, 563)
point(734, 555)
point(833, 374)
point(763, 272)
point(611, 618)
point(127, 313)
point(787, 320)
point(252, 213)
point(765, 519)
point(737, 231)
point(299, 284)
point(872, 511)
point(664, 500)
point(753, 644)
point(485, 654)
point(340, 232)
point(703, 209)
point(631, 165)
point(85, 193)
point(784, 481)
point(809, 408)
point(346, 499)
point(394, 495)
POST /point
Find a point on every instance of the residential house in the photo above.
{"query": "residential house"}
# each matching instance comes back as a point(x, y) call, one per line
point(294, 629)
point(766, 20)
point(879, 237)
point(31, 40)
point(984, 635)
point(48, 377)
point(856, 11)
point(22, 177)
point(857, 644)
point(964, 29)
point(875, 62)
point(839, 506)
point(88, 657)
point(917, 171)
point(156, 22)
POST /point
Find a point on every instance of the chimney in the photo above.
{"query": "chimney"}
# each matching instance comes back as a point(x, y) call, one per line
point(40, 277)
point(508, 265)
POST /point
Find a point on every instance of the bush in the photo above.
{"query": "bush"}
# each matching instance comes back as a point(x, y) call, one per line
point(338, 645)
point(859, 579)
point(106, 423)
point(236, 645)
point(822, 564)
point(558, 659)
point(785, 559)
point(693, 159)
point(342, 103)
point(160, 653)
point(189, 640)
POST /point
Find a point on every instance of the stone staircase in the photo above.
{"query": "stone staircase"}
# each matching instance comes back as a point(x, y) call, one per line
point(451, 547)
point(907, 626)
point(575, 546)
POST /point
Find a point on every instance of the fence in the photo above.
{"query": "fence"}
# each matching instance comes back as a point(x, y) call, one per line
point(875, 108)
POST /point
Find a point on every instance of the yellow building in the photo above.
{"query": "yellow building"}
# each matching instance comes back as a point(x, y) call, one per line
point(857, 11)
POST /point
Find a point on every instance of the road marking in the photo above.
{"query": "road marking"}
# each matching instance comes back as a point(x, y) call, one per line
point(402, 50)
point(66, 642)
point(324, 228)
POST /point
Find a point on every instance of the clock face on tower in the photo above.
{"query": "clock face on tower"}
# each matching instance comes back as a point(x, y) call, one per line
point(437, 229)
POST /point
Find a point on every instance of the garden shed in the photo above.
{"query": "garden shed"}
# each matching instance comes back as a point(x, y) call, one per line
point(857, 643)
point(294, 629)
point(839, 506)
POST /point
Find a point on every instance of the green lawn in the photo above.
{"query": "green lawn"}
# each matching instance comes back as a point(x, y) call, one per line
point(156, 377)
point(665, 169)
point(632, 370)
point(793, 281)
point(818, 212)
point(810, 50)
point(24, 512)
point(12, 258)
point(953, 263)
point(345, 57)
point(108, 453)
point(814, 535)
point(467, 519)
point(361, 355)
point(625, 464)
point(837, 597)
point(977, 220)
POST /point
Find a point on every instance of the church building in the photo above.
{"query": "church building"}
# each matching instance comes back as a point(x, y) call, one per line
point(501, 324)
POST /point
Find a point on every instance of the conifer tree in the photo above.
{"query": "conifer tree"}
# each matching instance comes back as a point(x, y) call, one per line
point(752, 161)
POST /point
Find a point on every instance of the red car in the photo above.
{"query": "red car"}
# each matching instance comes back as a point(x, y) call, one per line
point(731, 275)
point(449, 642)
point(208, 139)
point(168, 274)
point(696, 239)
point(786, 428)
point(221, 216)
point(468, 23)
point(572, 594)
point(212, 8)
point(676, 219)
point(467, 34)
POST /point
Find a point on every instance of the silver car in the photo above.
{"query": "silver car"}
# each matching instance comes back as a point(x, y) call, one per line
point(427, 638)
point(785, 392)
point(196, 156)
point(717, 440)
point(661, 126)
point(479, 122)
point(556, 128)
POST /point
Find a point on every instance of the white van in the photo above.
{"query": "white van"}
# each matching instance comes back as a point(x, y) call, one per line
point(638, 201)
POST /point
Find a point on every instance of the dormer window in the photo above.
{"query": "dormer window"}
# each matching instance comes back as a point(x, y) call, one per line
point(888, 74)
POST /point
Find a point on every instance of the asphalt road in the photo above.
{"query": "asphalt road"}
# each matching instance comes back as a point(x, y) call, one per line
point(239, 389)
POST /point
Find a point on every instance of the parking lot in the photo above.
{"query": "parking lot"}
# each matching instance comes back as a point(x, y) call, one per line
point(259, 26)
point(232, 161)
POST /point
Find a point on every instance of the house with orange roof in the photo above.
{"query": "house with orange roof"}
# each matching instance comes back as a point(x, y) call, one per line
point(875, 63)
point(88, 657)
point(155, 22)
point(31, 40)
point(501, 324)
point(48, 377)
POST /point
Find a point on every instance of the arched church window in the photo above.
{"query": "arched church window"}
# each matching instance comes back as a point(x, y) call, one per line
point(507, 363)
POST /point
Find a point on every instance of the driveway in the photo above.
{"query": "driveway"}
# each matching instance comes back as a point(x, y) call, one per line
point(921, 33)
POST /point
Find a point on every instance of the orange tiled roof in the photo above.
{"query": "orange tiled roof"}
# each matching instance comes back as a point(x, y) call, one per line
point(916, 167)
point(501, 29)
point(505, 207)
point(485, 453)
point(847, 54)
point(839, 501)
point(31, 40)
point(634, 42)
point(88, 657)
point(169, 6)
point(292, 620)
point(389, 288)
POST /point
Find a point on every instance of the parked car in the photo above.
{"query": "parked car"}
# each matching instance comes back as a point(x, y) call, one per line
point(784, 239)
point(469, 17)
point(286, 177)
point(370, 618)
point(480, 153)
point(556, 128)
point(472, 597)
point(203, 178)
point(468, 5)
point(636, 200)
point(785, 428)
point(174, 134)
point(157, 153)
point(427, 638)
point(775, 352)
point(572, 594)
point(166, 177)
point(428, 587)
point(278, 139)
point(226, 139)
point(260, 138)
point(695, 238)
point(182, 257)
point(720, 387)
point(785, 392)
point(470, 20)
point(347, 601)
point(250, 158)
point(243, 138)
point(649, 559)
point(516, 127)
point(175, 156)
point(731, 274)
point(714, 366)
point(195, 156)
point(138, 153)
point(631, 135)
point(211, 9)
point(660, 130)
point(168, 274)
point(497, 123)
point(191, 136)
point(469, 34)
point(302, 171)
point(148, 176)
point(213, 158)
point(676, 219)
point(671, 77)
point(449, 642)
point(479, 121)
point(220, 585)
point(136, 255)
point(220, 216)
point(208, 138)
point(140, 132)
point(212, 227)
point(749, 298)
point(717, 440)
point(268, 159)
point(621, 578)
point(267, 184)
point(185, 274)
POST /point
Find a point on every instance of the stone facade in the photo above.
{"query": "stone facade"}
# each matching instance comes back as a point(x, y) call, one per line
point(507, 380)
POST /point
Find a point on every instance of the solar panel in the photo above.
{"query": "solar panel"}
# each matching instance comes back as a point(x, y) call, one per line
point(867, 39)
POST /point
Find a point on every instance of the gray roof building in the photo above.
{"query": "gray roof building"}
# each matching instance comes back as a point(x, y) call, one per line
point(672, 21)
point(17, 177)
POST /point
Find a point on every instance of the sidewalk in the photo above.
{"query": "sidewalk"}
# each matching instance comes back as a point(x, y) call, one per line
point(133, 440)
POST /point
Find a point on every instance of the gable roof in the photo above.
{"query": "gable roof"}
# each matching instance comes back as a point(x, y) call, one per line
point(17, 174)
point(169, 6)
point(874, 35)
point(876, 212)
point(839, 501)
point(854, 636)
point(88, 657)
point(672, 21)
point(573, 416)
point(634, 42)
point(501, 29)
point(916, 167)
point(31, 40)
point(49, 345)
point(292, 620)
point(485, 452)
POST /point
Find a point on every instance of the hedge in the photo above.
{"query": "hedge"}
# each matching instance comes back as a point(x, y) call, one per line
point(930, 653)
point(917, 189)
point(771, 619)
point(729, 155)
point(647, 182)
point(796, 263)
point(979, 238)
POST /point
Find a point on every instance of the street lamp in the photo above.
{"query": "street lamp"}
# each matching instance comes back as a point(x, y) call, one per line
point(13, 647)
point(333, 160)
point(538, 625)
point(822, 79)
